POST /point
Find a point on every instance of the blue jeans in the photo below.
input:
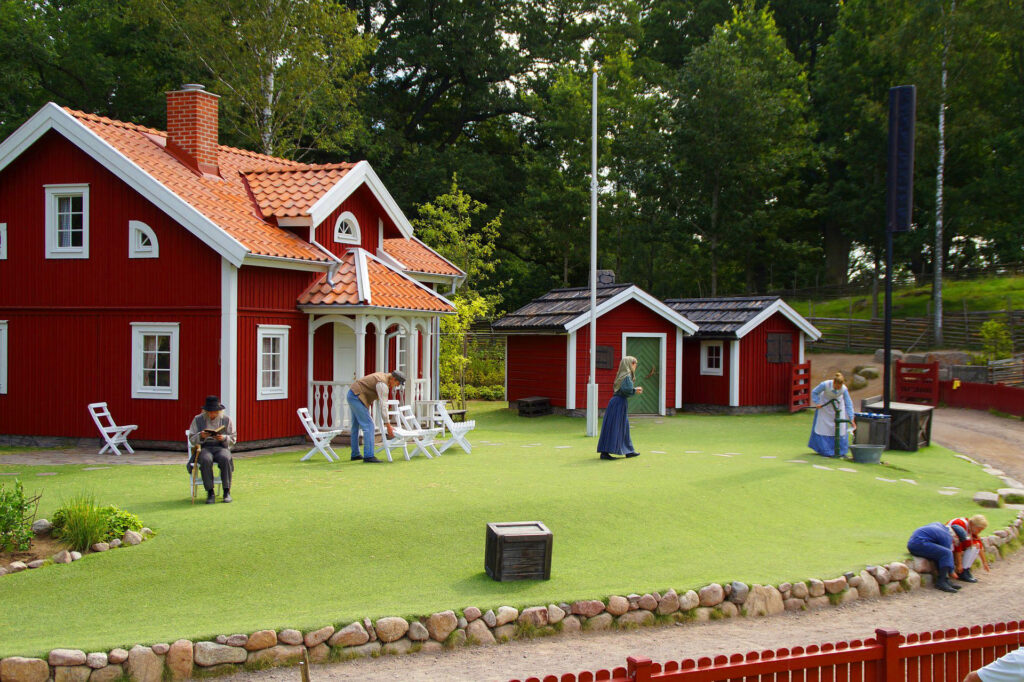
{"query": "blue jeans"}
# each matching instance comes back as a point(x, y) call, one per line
point(361, 421)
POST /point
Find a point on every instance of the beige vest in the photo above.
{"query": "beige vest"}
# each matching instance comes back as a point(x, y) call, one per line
point(366, 388)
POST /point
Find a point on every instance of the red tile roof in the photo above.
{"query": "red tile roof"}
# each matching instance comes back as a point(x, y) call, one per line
point(388, 288)
point(418, 257)
point(224, 201)
point(290, 192)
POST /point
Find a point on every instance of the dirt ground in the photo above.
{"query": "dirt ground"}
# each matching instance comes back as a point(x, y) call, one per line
point(999, 596)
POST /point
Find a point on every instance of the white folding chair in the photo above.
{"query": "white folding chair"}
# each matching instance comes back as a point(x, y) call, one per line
point(195, 480)
point(389, 412)
point(321, 439)
point(113, 434)
point(458, 430)
point(422, 438)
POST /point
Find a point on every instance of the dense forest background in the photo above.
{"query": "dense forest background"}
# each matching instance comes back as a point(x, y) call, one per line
point(742, 144)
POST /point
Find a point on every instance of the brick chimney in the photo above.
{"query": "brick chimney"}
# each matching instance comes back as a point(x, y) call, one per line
point(192, 126)
point(605, 277)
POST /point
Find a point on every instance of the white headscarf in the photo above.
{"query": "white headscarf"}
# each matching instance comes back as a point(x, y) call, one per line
point(625, 370)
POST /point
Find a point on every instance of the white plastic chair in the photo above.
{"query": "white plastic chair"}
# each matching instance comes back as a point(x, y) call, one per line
point(389, 412)
point(196, 479)
point(321, 439)
point(422, 438)
point(458, 430)
point(113, 434)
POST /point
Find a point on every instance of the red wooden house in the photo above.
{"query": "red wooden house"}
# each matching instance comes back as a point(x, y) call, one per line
point(548, 340)
point(742, 355)
point(149, 269)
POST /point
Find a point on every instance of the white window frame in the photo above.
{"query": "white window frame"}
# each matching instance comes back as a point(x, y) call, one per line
point(3, 357)
point(54, 193)
point(704, 368)
point(279, 332)
point(354, 238)
point(3, 241)
point(139, 331)
point(136, 249)
point(401, 352)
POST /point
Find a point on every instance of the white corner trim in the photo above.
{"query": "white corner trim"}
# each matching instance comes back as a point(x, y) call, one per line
point(637, 294)
point(53, 117)
point(780, 306)
point(570, 371)
point(362, 277)
point(734, 373)
point(360, 174)
point(801, 354)
point(229, 338)
point(136, 228)
point(3, 241)
point(5, 355)
point(679, 368)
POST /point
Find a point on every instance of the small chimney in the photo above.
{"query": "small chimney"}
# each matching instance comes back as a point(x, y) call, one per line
point(192, 126)
point(605, 277)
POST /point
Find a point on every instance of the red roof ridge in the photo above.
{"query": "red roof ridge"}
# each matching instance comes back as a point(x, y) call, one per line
point(114, 122)
point(301, 167)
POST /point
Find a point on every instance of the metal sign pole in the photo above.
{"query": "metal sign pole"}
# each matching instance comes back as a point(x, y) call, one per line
point(591, 351)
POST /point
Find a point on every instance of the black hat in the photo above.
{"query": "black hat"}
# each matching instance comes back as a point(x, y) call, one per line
point(399, 376)
point(212, 404)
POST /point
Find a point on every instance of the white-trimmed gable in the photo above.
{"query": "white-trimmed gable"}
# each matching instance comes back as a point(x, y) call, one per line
point(780, 306)
point(361, 174)
point(637, 294)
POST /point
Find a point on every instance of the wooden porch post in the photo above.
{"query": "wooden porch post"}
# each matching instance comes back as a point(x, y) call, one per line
point(381, 348)
point(360, 345)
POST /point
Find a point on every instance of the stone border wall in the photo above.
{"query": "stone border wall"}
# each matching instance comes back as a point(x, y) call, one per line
point(184, 659)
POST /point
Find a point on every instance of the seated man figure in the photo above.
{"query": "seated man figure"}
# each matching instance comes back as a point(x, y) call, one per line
point(214, 431)
point(935, 542)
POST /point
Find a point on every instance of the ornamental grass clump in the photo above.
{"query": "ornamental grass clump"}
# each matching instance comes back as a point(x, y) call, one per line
point(81, 524)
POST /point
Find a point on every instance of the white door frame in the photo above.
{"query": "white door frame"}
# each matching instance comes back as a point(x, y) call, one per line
point(661, 336)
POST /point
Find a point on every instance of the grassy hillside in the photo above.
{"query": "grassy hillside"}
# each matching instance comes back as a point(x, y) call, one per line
point(995, 293)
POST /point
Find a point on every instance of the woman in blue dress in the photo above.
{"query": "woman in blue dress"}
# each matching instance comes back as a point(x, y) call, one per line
point(615, 427)
point(825, 397)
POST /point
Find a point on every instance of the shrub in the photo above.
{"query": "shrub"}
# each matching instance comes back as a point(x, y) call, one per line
point(996, 339)
point(16, 515)
point(81, 524)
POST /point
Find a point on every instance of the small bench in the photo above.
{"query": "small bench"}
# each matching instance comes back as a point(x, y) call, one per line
point(534, 406)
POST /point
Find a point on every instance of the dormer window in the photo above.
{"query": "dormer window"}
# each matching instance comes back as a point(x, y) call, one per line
point(67, 221)
point(346, 229)
point(142, 241)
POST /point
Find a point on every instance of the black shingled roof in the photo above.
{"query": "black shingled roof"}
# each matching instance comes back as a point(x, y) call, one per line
point(720, 317)
point(556, 308)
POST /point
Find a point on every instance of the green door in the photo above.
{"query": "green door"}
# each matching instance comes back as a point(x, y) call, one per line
point(647, 352)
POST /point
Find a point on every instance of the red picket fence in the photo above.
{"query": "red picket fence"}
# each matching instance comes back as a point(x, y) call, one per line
point(800, 382)
point(1008, 399)
point(917, 382)
point(940, 656)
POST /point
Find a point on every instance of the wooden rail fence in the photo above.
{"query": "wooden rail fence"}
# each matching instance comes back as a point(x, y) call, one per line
point(959, 330)
point(940, 656)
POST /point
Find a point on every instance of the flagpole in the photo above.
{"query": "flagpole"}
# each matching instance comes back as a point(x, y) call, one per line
point(592, 385)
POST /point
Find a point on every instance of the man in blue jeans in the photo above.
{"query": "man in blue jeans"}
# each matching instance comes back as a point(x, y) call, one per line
point(362, 394)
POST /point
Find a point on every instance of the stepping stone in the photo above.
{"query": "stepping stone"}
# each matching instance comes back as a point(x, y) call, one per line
point(966, 458)
point(659, 452)
point(822, 466)
point(693, 452)
point(94, 468)
point(562, 447)
point(47, 473)
point(909, 480)
point(796, 461)
point(9, 473)
point(850, 471)
point(720, 454)
point(767, 456)
point(530, 445)
point(886, 480)
point(947, 492)
point(950, 487)
point(734, 453)
point(995, 472)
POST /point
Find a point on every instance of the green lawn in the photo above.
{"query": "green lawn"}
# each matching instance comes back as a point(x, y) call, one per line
point(983, 295)
point(311, 543)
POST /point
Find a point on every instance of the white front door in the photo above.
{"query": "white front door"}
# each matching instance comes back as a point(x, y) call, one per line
point(344, 354)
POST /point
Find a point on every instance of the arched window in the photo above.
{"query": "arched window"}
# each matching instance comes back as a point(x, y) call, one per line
point(346, 229)
point(142, 241)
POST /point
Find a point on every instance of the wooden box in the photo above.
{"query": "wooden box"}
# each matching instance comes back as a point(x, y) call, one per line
point(518, 550)
point(534, 406)
point(911, 425)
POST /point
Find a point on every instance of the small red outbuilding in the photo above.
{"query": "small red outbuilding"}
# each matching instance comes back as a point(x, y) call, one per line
point(548, 344)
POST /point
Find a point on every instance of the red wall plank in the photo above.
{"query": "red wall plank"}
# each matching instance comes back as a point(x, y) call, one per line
point(763, 382)
point(536, 366)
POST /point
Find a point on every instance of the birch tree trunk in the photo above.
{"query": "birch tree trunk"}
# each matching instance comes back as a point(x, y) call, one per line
point(939, 181)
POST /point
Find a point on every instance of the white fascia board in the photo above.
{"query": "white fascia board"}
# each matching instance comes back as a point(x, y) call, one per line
point(301, 221)
point(641, 296)
point(362, 276)
point(360, 174)
point(793, 316)
point(368, 310)
point(286, 263)
point(402, 274)
point(53, 117)
point(386, 258)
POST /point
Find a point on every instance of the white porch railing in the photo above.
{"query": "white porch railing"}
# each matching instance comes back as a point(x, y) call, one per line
point(327, 405)
point(420, 390)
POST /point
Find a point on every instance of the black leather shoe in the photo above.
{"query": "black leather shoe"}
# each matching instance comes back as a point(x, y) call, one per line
point(966, 576)
point(605, 455)
point(942, 583)
point(227, 496)
point(372, 460)
point(633, 454)
point(210, 498)
point(355, 458)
